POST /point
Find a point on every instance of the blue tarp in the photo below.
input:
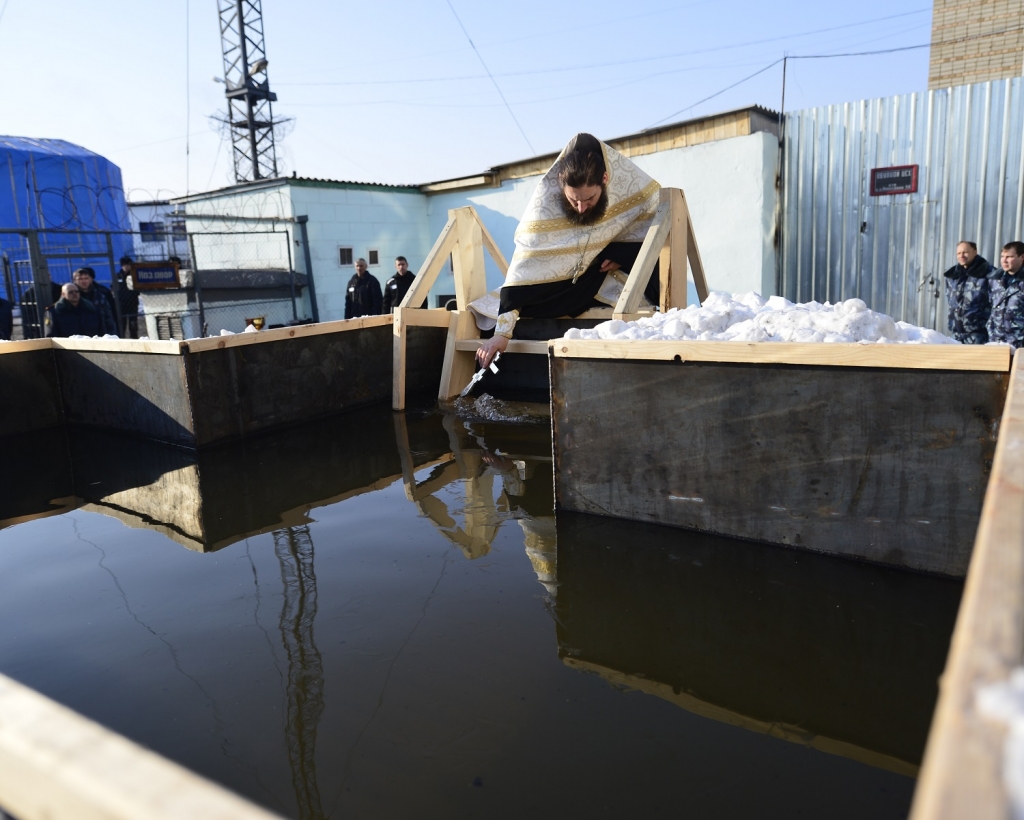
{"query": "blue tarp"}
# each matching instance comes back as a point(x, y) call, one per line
point(56, 185)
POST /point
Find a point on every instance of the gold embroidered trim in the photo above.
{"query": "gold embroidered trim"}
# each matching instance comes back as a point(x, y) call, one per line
point(506, 324)
point(562, 223)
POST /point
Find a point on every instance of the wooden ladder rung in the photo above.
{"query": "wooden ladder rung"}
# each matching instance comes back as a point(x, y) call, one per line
point(514, 346)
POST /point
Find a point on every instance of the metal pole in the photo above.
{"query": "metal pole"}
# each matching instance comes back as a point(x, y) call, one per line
point(41, 280)
point(301, 222)
point(195, 284)
point(115, 285)
point(291, 273)
point(249, 119)
point(8, 282)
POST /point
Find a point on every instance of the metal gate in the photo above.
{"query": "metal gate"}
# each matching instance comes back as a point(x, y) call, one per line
point(839, 242)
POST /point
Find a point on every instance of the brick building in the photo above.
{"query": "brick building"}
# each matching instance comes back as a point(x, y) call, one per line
point(975, 41)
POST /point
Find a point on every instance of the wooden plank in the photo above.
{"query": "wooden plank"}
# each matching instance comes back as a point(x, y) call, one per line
point(878, 464)
point(280, 333)
point(422, 317)
point(166, 348)
point(24, 345)
point(673, 256)
point(640, 275)
point(431, 267)
point(700, 282)
point(468, 258)
point(54, 763)
point(933, 357)
point(961, 775)
point(240, 390)
point(492, 246)
point(459, 366)
point(514, 346)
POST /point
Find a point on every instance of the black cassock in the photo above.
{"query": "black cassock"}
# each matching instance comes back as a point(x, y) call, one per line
point(550, 300)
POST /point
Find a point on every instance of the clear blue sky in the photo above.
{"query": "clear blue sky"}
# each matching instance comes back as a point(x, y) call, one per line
point(392, 91)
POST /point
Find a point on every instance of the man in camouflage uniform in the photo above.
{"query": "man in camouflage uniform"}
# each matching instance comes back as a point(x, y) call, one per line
point(1006, 323)
point(967, 293)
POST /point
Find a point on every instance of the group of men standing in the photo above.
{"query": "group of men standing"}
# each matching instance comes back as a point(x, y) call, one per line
point(986, 303)
point(364, 297)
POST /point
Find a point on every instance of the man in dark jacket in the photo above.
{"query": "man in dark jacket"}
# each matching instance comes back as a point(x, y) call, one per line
point(73, 315)
point(1006, 323)
point(397, 286)
point(128, 298)
point(363, 297)
point(967, 293)
point(100, 297)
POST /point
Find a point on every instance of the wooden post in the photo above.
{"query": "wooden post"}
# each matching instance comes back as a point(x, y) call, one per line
point(643, 267)
point(468, 258)
point(672, 270)
point(459, 365)
point(693, 256)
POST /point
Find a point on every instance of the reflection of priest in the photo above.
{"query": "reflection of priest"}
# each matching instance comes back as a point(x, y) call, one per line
point(578, 239)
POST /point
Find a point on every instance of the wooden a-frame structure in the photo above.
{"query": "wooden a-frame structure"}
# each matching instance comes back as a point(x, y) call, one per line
point(464, 237)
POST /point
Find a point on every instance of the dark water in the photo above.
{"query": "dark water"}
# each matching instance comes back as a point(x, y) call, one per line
point(379, 616)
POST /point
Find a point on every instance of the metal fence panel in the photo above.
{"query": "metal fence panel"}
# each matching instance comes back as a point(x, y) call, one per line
point(840, 242)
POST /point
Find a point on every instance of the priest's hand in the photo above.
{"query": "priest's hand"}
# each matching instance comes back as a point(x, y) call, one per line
point(608, 266)
point(489, 349)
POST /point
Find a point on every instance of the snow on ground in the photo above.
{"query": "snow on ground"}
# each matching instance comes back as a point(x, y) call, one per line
point(1004, 703)
point(749, 317)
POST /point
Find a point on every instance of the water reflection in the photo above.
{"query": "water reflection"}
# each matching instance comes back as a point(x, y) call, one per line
point(479, 454)
point(304, 697)
point(839, 657)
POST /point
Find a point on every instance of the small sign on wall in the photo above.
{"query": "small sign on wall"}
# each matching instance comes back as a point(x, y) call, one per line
point(900, 179)
point(155, 275)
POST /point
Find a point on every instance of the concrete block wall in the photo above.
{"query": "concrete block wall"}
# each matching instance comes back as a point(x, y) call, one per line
point(392, 221)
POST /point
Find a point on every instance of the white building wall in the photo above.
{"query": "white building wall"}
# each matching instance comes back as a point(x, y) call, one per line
point(391, 221)
point(730, 189)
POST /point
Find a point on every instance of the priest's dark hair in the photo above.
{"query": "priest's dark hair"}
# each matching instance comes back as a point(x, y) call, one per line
point(583, 164)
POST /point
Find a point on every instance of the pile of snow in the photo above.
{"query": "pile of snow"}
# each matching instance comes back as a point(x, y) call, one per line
point(1004, 703)
point(749, 317)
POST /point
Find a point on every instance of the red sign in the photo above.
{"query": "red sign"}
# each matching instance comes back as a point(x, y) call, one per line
point(900, 179)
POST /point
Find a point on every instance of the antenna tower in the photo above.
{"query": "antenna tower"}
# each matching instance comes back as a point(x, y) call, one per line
point(250, 116)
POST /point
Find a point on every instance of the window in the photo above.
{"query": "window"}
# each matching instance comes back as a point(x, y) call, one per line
point(345, 257)
point(178, 228)
point(151, 231)
point(374, 257)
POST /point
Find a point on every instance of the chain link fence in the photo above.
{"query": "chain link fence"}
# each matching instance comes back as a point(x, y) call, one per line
point(162, 285)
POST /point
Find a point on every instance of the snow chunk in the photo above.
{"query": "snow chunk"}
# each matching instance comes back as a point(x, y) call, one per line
point(749, 317)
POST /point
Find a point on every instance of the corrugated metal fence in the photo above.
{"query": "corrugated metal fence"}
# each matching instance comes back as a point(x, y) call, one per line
point(839, 242)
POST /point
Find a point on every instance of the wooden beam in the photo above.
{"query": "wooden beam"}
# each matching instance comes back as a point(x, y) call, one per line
point(468, 259)
point(431, 267)
point(672, 270)
point(693, 256)
point(54, 763)
point(398, 357)
point(424, 317)
point(963, 770)
point(931, 357)
point(640, 275)
point(514, 346)
point(492, 246)
point(243, 339)
point(459, 366)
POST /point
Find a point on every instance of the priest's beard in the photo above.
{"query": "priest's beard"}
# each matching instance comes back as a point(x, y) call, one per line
point(589, 216)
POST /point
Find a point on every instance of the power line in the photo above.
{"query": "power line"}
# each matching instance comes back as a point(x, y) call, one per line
point(718, 93)
point(611, 64)
point(496, 86)
point(838, 54)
